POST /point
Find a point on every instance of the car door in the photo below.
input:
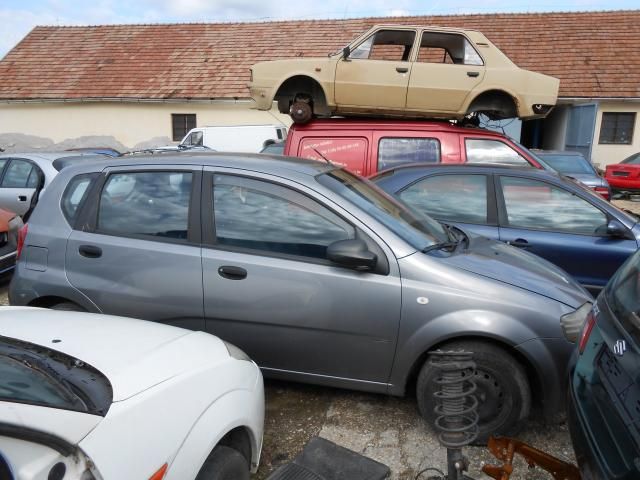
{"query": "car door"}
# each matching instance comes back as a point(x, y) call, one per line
point(562, 227)
point(138, 251)
point(376, 73)
point(19, 183)
point(464, 200)
point(447, 68)
point(269, 289)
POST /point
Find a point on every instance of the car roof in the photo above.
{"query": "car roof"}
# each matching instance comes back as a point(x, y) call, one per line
point(274, 164)
point(46, 156)
point(471, 167)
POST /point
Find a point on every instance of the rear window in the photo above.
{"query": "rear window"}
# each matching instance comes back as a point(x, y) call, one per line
point(394, 151)
point(75, 194)
point(623, 295)
point(347, 152)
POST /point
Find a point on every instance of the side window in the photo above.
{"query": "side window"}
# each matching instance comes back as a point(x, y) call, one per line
point(394, 151)
point(146, 203)
point(539, 205)
point(391, 45)
point(436, 47)
point(75, 194)
point(269, 218)
point(194, 139)
point(347, 152)
point(17, 174)
point(456, 198)
point(492, 151)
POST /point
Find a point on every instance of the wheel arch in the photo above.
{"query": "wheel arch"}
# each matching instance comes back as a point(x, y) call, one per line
point(239, 439)
point(493, 97)
point(299, 83)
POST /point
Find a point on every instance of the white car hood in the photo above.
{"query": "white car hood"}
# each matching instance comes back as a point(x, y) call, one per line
point(148, 353)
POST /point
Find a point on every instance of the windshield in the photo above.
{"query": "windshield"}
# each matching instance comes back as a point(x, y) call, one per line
point(418, 230)
point(623, 295)
point(568, 164)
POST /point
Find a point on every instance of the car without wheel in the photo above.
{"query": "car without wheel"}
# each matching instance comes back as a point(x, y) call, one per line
point(405, 71)
point(317, 274)
point(92, 397)
point(536, 210)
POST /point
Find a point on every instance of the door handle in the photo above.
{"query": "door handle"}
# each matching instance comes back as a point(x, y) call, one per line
point(402, 69)
point(519, 242)
point(90, 251)
point(473, 74)
point(22, 198)
point(232, 273)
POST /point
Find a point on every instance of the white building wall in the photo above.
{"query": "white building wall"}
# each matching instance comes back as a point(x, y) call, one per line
point(129, 123)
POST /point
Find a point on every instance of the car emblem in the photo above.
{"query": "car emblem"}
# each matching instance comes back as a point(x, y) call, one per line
point(620, 347)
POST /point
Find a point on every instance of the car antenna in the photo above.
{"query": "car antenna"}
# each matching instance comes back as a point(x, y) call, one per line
point(325, 158)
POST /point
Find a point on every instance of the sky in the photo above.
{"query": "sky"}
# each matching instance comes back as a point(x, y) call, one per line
point(18, 17)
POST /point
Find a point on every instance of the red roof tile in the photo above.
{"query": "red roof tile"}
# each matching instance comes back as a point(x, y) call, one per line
point(593, 53)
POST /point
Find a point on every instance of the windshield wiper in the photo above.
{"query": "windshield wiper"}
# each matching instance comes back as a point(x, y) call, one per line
point(439, 246)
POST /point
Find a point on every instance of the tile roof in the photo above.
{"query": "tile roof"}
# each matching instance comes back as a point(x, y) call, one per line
point(593, 53)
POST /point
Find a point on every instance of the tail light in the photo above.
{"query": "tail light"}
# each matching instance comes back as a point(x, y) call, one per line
point(603, 191)
point(586, 332)
point(22, 237)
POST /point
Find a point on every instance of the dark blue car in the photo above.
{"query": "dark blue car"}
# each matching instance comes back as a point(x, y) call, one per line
point(545, 213)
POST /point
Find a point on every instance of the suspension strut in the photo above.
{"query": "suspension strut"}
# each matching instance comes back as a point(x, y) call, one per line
point(456, 412)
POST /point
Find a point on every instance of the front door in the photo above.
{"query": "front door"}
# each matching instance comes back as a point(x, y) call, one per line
point(18, 186)
point(376, 74)
point(269, 289)
point(446, 69)
point(140, 254)
point(561, 227)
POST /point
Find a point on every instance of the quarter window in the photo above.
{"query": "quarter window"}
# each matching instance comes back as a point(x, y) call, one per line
point(146, 203)
point(456, 198)
point(261, 216)
point(541, 206)
point(75, 194)
point(392, 45)
point(617, 127)
point(19, 175)
point(394, 151)
point(492, 151)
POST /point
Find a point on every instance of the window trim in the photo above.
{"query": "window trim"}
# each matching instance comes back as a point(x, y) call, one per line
point(502, 207)
point(492, 217)
point(387, 135)
point(87, 220)
point(209, 237)
point(633, 128)
point(412, 52)
point(419, 44)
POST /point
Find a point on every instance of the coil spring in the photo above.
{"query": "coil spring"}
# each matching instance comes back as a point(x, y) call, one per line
point(456, 412)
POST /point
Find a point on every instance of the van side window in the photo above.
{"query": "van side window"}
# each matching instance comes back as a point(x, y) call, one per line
point(195, 139)
point(347, 152)
point(492, 151)
point(75, 194)
point(393, 151)
point(261, 216)
point(146, 203)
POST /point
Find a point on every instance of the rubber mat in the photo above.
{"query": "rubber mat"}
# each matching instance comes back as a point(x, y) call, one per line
point(324, 460)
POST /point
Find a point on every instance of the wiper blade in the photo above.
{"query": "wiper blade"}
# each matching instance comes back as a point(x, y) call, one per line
point(439, 246)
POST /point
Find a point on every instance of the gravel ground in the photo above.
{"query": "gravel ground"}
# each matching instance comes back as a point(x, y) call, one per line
point(387, 429)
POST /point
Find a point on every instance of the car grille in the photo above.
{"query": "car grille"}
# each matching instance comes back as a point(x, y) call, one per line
point(620, 174)
point(622, 389)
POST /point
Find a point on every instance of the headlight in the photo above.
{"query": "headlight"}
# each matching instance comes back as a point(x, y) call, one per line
point(573, 322)
point(235, 352)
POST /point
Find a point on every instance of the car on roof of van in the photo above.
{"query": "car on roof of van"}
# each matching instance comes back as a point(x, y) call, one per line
point(405, 71)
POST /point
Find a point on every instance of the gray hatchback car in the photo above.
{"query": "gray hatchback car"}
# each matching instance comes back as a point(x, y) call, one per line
point(317, 274)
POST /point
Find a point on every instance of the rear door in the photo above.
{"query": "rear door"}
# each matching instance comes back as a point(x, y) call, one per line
point(20, 180)
point(269, 289)
point(138, 251)
point(562, 227)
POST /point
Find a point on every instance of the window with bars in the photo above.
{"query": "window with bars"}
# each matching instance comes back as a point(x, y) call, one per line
point(617, 127)
point(181, 123)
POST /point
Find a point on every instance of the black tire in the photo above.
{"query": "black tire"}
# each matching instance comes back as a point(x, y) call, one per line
point(68, 307)
point(503, 392)
point(224, 463)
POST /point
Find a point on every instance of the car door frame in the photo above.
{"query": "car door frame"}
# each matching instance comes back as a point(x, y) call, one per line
point(389, 267)
point(32, 197)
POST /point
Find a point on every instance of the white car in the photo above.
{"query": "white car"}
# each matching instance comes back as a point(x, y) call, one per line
point(86, 396)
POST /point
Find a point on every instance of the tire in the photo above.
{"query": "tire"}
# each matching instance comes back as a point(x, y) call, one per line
point(503, 392)
point(68, 307)
point(224, 463)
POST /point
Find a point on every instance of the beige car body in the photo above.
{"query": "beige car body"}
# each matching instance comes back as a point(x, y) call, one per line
point(362, 86)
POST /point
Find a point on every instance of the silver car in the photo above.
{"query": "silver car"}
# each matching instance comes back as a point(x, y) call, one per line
point(317, 274)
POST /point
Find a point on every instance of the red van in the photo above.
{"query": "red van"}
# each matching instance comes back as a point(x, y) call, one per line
point(368, 146)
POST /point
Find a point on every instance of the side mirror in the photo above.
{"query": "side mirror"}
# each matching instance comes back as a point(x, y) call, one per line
point(352, 253)
point(346, 51)
point(616, 229)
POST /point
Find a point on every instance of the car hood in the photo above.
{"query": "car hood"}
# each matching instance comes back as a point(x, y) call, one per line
point(516, 267)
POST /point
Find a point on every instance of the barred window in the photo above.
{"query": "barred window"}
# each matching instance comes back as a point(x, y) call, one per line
point(617, 127)
point(181, 123)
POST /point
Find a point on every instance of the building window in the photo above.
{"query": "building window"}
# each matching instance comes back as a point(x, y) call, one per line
point(617, 127)
point(181, 123)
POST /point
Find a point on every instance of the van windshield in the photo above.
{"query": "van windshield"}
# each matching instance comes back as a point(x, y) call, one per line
point(419, 230)
point(623, 297)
